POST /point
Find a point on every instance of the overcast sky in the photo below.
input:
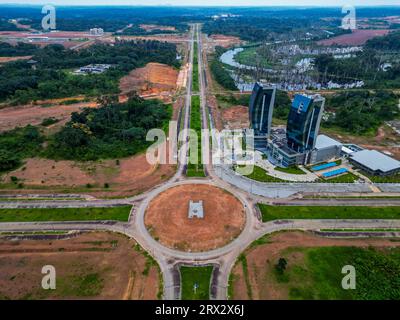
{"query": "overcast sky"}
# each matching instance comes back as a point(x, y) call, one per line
point(212, 2)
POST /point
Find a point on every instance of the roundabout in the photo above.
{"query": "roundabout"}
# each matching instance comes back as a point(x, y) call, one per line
point(167, 218)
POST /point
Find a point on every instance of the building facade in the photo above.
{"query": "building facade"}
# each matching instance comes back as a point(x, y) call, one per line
point(262, 103)
point(304, 121)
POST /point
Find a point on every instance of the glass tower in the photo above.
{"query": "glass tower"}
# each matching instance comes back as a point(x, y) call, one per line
point(261, 108)
point(304, 121)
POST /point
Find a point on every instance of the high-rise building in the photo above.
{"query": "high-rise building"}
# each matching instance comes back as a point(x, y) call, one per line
point(261, 109)
point(304, 122)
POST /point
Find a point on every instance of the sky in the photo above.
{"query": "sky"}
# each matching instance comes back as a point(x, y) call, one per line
point(321, 3)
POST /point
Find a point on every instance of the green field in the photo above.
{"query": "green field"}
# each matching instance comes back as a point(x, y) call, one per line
point(345, 178)
point(270, 213)
point(290, 170)
point(390, 179)
point(120, 213)
point(195, 78)
point(250, 57)
point(199, 276)
point(259, 174)
point(319, 275)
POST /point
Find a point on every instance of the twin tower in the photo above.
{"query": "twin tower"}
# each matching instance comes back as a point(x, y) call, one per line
point(303, 122)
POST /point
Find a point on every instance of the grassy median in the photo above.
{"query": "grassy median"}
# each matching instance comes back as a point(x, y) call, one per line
point(270, 213)
point(195, 282)
point(120, 213)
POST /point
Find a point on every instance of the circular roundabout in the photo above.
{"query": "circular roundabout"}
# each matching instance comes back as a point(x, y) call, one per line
point(218, 217)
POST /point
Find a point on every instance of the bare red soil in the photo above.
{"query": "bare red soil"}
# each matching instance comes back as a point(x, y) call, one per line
point(236, 117)
point(155, 80)
point(111, 257)
point(167, 218)
point(357, 38)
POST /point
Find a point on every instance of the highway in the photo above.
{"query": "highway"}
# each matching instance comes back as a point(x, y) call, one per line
point(247, 191)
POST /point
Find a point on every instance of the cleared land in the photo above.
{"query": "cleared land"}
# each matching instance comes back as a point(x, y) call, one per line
point(21, 116)
point(120, 213)
point(123, 177)
point(356, 38)
point(9, 59)
point(236, 117)
point(152, 27)
point(155, 80)
point(224, 41)
point(195, 282)
point(89, 266)
point(167, 218)
point(314, 267)
point(270, 213)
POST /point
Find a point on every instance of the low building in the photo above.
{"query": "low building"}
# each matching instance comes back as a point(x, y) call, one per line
point(326, 149)
point(93, 68)
point(280, 154)
point(96, 32)
point(375, 163)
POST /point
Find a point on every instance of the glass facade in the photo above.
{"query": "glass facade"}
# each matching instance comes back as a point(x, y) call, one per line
point(304, 121)
point(261, 109)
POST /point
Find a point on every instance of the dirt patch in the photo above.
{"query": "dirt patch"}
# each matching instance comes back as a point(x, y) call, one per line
point(225, 41)
point(167, 218)
point(131, 176)
point(172, 38)
point(261, 258)
point(21, 116)
point(155, 80)
point(152, 27)
point(9, 59)
point(356, 38)
point(90, 266)
point(236, 117)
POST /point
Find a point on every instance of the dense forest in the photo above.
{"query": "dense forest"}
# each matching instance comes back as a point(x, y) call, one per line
point(219, 72)
point(391, 42)
point(7, 26)
point(361, 112)
point(18, 144)
point(20, 49)
point(52, 78)
point(366, 65)
point(113, 131)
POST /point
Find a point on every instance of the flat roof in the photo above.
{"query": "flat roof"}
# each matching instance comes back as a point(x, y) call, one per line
point(375, 160)
point(324, 141)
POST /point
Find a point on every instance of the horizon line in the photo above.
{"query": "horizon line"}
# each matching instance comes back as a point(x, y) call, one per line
point(196, 6)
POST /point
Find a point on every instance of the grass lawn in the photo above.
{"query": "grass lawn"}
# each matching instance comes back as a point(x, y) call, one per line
point(120, 213)
point(290, 170)
point(250, 57)
point(195, 78)
point(199, 276)
point(319, 275)
point(345, 178)
point(270, 213)
point(259, 174)
point(390, 179)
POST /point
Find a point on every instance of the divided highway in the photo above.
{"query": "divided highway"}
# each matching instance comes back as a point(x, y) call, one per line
point(247, 192)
